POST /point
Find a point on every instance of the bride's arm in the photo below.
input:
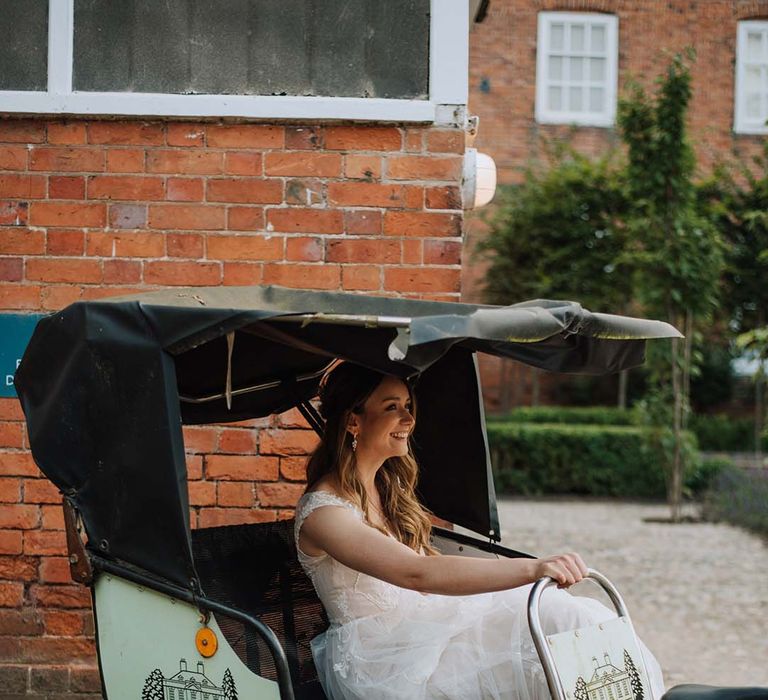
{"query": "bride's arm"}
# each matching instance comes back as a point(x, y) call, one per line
point(340, 533)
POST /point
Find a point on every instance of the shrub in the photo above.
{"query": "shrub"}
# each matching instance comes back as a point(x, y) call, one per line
point(705, 474)
point(740, 497)
point(593, 415)
point(721, 433)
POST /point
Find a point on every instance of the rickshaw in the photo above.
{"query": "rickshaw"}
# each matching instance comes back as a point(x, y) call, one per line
point(226, 612)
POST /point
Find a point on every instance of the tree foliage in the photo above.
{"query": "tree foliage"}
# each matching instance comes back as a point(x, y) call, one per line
point(153, 686)
point(634, 677)
point(228, 686)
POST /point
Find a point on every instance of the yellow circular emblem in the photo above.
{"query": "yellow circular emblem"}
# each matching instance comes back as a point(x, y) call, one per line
point(206, 642)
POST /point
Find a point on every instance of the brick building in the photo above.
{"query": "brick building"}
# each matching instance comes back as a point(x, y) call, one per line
point(547, 69)
point(356, 188)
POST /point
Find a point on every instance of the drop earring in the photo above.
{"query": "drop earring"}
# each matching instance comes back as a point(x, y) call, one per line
point(354, 443)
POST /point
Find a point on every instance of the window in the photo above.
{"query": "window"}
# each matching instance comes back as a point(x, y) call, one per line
point(576, 68)
point(751, 98)
point(400, 60)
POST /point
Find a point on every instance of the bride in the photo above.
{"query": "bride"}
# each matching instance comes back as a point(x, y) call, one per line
point(407, 622)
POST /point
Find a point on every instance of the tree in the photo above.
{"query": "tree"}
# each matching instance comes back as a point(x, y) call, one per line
point(228, 685)
point(634, 677)
point(153, 686)
point(580, 693)
point(677, 251)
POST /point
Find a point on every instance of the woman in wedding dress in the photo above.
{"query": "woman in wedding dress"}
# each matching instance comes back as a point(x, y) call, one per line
point(407, 622)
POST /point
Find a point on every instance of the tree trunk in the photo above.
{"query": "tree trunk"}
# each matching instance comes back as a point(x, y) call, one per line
point(759, 397)
point(687, 351)
point(675, 495)
point(622, 395)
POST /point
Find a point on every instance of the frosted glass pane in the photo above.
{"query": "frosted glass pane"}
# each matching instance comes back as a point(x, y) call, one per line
point(557, 37)
point(597, 70)
point(753, 78)
point(555, 98)
point(597, 39)
point(574, 99)
point(576, 71)
point(577, 37)
point(555, 68)
point(754, 46)
point(596, 99)
point(753, 105)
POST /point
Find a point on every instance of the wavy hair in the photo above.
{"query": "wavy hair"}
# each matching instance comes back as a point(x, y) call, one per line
point(344, 390)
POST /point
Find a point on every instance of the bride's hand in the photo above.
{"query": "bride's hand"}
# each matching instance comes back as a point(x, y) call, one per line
point(566, 569)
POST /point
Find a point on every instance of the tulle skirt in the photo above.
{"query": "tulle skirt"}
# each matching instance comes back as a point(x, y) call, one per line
point(459, 647)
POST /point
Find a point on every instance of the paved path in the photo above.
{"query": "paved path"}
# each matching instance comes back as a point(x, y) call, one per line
point(697, 593)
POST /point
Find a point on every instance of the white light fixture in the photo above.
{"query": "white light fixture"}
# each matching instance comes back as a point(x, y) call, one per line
point(479, 179)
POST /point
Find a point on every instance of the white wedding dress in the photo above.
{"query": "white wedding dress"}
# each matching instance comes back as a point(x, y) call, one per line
point(390, 642)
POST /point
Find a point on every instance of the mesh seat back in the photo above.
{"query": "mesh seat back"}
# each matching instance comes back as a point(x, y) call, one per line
point(254, 568)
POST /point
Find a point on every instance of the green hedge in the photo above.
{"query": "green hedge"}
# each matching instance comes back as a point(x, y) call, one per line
point(740, 497)
point(592, 415)
point(721, 433)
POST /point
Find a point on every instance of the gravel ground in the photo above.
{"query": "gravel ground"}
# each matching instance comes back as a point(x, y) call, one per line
point(697, 592)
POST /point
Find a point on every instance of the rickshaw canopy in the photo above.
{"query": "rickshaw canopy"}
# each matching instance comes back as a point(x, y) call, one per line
point(106, 386)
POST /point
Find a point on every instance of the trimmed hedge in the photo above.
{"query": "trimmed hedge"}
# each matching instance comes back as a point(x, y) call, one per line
point(721, 433)
point(572, 415)
point(740, 497)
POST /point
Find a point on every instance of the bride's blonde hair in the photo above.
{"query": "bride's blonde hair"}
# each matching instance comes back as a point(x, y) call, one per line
point(344, 390)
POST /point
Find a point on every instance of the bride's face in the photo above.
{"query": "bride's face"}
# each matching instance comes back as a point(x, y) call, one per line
point(383, 427)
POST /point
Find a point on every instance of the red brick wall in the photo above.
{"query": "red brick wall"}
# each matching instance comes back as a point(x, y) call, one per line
point(96, 208)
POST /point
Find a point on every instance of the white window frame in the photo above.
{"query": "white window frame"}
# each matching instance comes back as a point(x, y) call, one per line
point(547, 116)
point(448, 85)
point(742, 124)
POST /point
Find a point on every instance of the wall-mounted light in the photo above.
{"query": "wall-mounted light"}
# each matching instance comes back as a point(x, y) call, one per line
point(479, 179)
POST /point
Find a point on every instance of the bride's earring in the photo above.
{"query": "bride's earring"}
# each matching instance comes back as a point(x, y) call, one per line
point(354, 443)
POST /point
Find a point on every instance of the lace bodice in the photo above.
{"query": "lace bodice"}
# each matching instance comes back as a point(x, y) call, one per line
point(346, 594)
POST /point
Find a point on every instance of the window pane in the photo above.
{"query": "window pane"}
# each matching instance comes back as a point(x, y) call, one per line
point(753, 81)
point(576, 71)
point(557, 37)
point(577, 37)
point(574, 99)
point(24, 46)
point(596, 99)
point(270, 47)
point(597, 69)
point(754, 46)
point(753, 105)
point(555, 68)
point(597, 39)
point(555, 98)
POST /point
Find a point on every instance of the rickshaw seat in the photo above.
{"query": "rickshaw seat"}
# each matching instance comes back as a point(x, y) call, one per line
point(691, 691)
point(254, 568)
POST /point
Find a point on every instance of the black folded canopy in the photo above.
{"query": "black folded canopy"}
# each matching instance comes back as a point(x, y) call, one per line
point(105, 387)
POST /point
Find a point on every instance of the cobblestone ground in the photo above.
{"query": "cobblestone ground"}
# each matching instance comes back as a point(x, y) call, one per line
point(697, 593)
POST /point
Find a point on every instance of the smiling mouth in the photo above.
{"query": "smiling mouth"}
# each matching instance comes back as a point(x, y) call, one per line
point(400, 436)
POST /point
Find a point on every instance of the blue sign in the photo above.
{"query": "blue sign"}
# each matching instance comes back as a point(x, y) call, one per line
point(15, 332)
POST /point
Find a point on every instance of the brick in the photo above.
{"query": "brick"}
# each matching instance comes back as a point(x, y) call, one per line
point(17, 623)
point(303, 164)
point(68, 133)
point(22, 131)
point(239, 468)
point(293, 468)
point(10, 409)
point(446, 197)
point(13, 157)
point(363, 250)
point(202, 493)
point(186, 135)
point(61, 623)
point(368, 194)
point(186, 216)
point(413, 251)
point(11, 434)
point(57, 649)
point(19, 297)
point(217, 517)
point(305, 249)
point(137, 244)
point(362, 222)
point(245, 247)
point(194, 466)
point(49, 678)
point(22, 242)
point(126, 187)
point(10, 542)
point(185, 189)
point(360, 277)
point(69, 215)
point(242, 274)
point(17, 464)
point(22, 186)
point(11, 594)
point(414, 140)
point(279, 494)
point(61, 596)
point(305, 138)
point(18, 568)
point(10, 490)
point(241, 190)
point(363, 138)
point(291, 418)
point(199, 439)
point(442, 252)
point(182, 273)
point(185, 245)
point(126, 133)
point(424, 168)
point(13, 213)
point(445, 141)
point(303, 276)
point(305, 192)
point(243, 163)
point(245, 218)
point(55, 297)
point(125, 160)
point(64, 270)
point(245, 136)
point(237, 441)
point(296, 220)
point(55, 570)
point(362, 167)
point(66, 159)
point(422, 224)
point(53, 517)
point(235, 493)
point(422, 279)
point(187, 162)
point(131, 216)
point(287, 442)
point(15, 516)
point(11, 270)
point(122, 272)
point(44, 542)
point(85, 680)
point(66, 187)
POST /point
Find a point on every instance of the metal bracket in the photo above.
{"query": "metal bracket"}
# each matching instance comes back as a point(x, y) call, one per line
point(79, 562)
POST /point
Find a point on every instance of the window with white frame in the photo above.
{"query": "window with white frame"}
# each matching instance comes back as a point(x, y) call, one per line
point(576, 68)
point(751, 95)
point(400, 60)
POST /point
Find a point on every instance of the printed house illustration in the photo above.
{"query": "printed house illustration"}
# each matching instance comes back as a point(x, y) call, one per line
point(191, 685)
point(609, 682)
